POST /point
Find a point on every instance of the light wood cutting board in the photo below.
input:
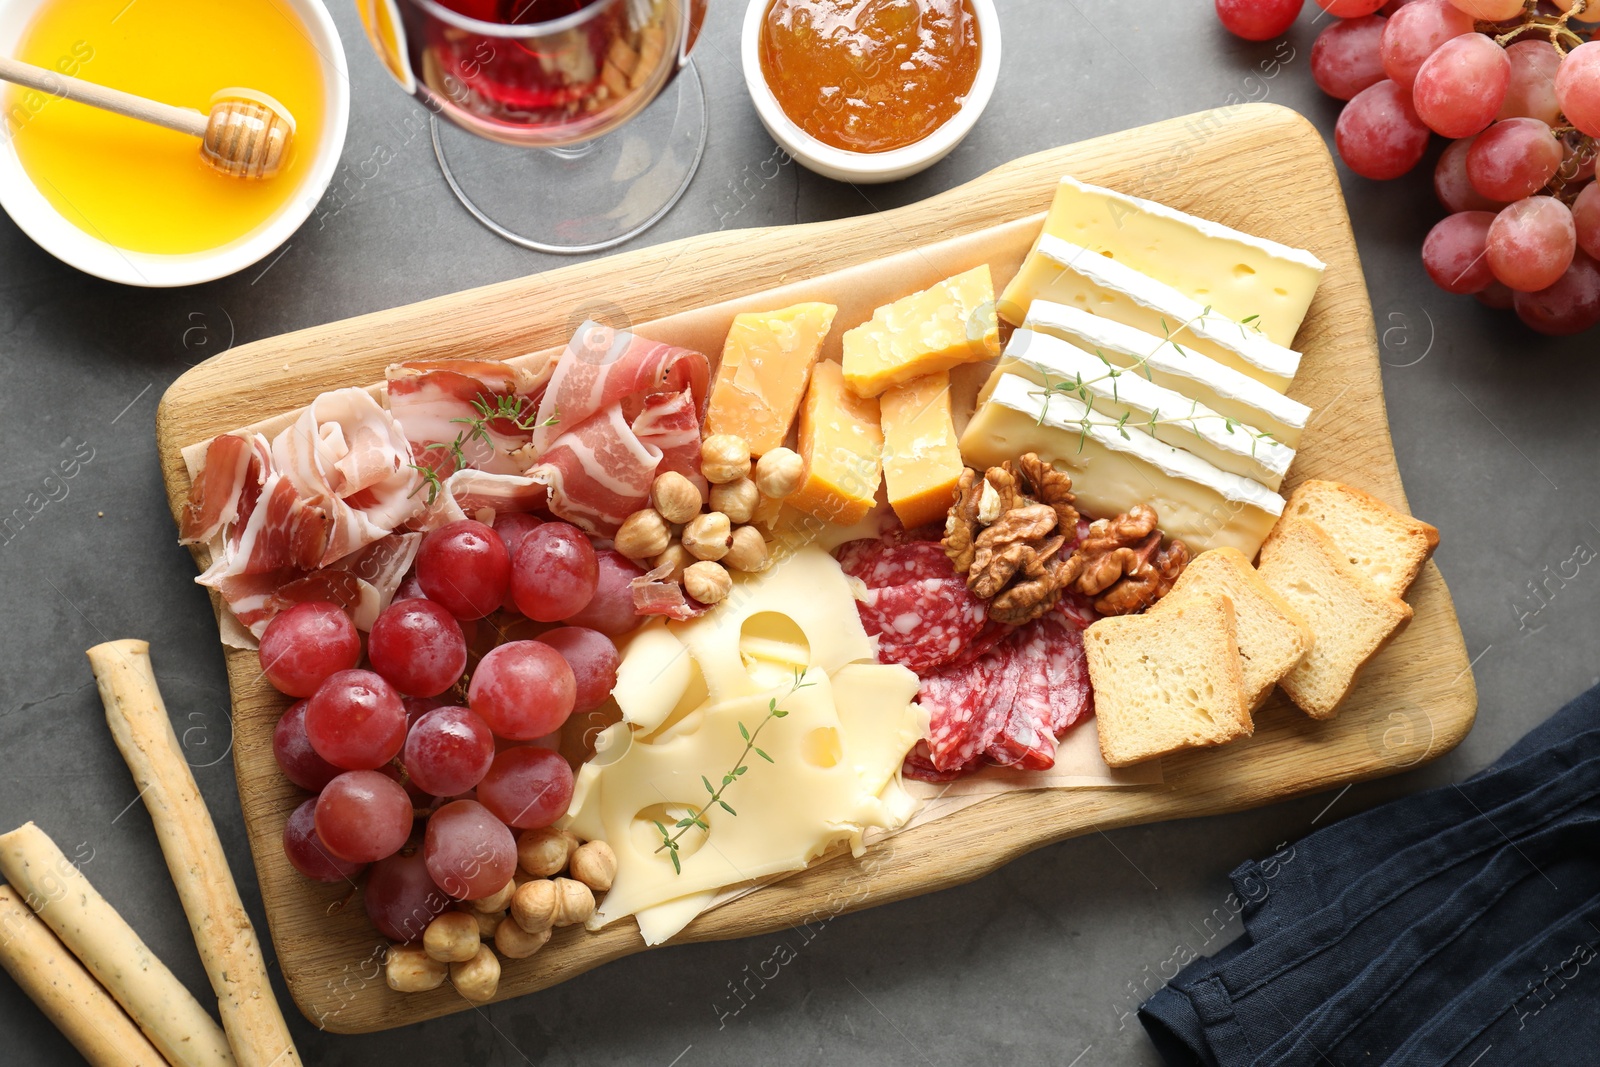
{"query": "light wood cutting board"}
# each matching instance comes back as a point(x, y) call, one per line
point(1260, 168)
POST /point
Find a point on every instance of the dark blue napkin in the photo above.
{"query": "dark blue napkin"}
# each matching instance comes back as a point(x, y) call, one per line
point(1443, 928)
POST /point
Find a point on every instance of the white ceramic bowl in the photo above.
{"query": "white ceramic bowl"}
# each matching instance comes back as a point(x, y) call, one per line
point(870, 167)
point(53, 232)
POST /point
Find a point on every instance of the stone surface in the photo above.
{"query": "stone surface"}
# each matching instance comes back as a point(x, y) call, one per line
point(1043, 961)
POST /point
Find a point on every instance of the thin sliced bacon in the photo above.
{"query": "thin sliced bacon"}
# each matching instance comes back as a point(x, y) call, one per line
point(429, 397)
point(214, 497)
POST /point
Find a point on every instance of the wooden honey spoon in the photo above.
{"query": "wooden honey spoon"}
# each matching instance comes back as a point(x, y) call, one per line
point(246, 135)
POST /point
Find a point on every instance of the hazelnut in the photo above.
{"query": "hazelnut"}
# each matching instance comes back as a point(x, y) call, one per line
point(488, 923)
point(748, 551)
point(515, 943)
point(574, 902)
point(534, 905)
point(409, 969)
point(643, 534)
point(778, 473)
point(595, 865)
point(724, 458)
point(737, 500)
point(707, 582)
point(675, 497)
point(544, 852)
point(707, 536)
point(477, 979)
point(495, 901)
point(677, 557)
point(452, 937)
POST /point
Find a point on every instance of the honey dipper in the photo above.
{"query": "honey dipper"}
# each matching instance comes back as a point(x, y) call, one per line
point(245, 135)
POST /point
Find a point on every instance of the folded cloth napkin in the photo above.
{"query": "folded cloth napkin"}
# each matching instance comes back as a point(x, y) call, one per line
point(1428, 931)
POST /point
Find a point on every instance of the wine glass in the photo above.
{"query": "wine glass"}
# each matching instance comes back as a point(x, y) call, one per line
point(558, 76)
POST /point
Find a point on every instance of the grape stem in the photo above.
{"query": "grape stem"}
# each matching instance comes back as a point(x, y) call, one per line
point(1555, 26)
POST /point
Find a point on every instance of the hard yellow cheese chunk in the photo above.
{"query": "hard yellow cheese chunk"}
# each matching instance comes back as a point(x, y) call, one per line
point(950, 324)
point(921, 458)
point(841, 443)
point(766, 361)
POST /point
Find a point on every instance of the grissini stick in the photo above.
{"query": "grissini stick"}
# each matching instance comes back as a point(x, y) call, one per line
point(222, 930)
point(81, 1009)
point(155, 1000)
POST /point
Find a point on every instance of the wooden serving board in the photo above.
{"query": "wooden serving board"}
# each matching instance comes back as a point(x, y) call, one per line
point(1257, 167)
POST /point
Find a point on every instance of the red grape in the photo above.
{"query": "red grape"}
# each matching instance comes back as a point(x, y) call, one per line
point(1459, 89)
point(1413, 33)
point(1379, 134)
point(593, 659)
point(523, 690)
point(1532, 92)
point(448, 751)
point(416, 707)
point(1513, 158)
point(527, 787)
point(401, 898)
point(296, 758)
point(1578, 87)
point(306, 852)
point(1451, 184)
point(1490, 10)
point(463, 565)
point(513, 526)
point(418, 647)
point(1453, 252)
point(1570, 305)
point(1350, 9)
point(610, 610)
point(305, 644)
point(1346, 59)
point(420, 798)
point(470, 853)
point(555, 572)
point(1497, 295)
point(1586, 219)
point(1258, 20)
point(1531, 243)
point(1391, 7)
point(410, 588)
point(356, 720)
point(363, 816)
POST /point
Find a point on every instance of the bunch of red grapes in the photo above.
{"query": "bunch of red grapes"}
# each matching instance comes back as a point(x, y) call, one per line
point(460, 733)
point(1516, 86)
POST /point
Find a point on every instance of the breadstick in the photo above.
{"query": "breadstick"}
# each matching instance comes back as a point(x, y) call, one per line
point(155, 1000)
point(222, 930)
point(67, 993)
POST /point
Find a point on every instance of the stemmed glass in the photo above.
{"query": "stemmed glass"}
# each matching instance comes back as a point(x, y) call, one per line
point(562, 77)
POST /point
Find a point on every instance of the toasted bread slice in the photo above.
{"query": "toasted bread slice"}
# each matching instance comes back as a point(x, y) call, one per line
point(1167, 682)
point(1389, 546)
point(1273, 636)
point(1351, 617)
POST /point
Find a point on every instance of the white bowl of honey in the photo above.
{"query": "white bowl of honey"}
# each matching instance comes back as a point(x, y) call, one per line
point(870, 93)
point(134, 203)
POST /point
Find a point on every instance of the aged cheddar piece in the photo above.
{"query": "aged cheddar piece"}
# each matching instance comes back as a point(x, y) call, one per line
point(841, 443)
point(1237, 274)
point(921, 459)
point(1070, 274)
point(945, 326)
point(766, 362)
point(1115, 467)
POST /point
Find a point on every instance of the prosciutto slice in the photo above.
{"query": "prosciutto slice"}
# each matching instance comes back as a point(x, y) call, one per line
point(363, 583)
point(429, 398)
point(214, 498)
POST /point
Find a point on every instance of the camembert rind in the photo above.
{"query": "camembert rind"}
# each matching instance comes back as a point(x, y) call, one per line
point(1120, 393)
point(1115, 468)
point(1237, 274)
point(1070, 274)
point(1190, 373)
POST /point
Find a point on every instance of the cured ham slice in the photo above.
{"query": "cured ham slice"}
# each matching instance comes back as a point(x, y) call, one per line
point(214, 497)
point(654, 594)
point(429, 399)
point(467, 493)
point(363, 584)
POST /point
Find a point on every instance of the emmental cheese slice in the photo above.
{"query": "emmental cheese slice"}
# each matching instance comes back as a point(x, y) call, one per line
point(1237, 274)
point(942, 327)
point(841, 442)
point(921, 458)
point(1070, 274)
point(766, 362)
point(1199, 377)
point(1125, 395)
point(1115, 467)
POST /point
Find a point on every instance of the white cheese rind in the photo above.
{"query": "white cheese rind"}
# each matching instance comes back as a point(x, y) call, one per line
point(1114, 468)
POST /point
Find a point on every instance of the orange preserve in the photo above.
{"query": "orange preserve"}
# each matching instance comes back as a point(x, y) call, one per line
point(870, 75)
point(142, 187)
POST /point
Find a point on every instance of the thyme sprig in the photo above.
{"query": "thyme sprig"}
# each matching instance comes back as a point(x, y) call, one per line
point(498, 408)
point(669, 840)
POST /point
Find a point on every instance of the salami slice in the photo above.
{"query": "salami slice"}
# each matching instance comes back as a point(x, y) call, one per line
point(1071, 694)
point(922, 624)
point(881, 562)
point(919, 765)
point(985, 639)
point(1053, 693)
point(967, 707)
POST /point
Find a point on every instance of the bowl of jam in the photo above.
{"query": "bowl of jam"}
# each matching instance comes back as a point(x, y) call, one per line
point(870, 90)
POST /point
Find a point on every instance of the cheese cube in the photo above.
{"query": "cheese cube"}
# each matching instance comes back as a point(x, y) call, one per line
point(921, 459)
point(1237, 274)
point(766, 361)
point(841, 443)
point(924, 333)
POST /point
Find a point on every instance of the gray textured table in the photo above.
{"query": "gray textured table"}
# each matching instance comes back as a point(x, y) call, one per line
point(1043, 961)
